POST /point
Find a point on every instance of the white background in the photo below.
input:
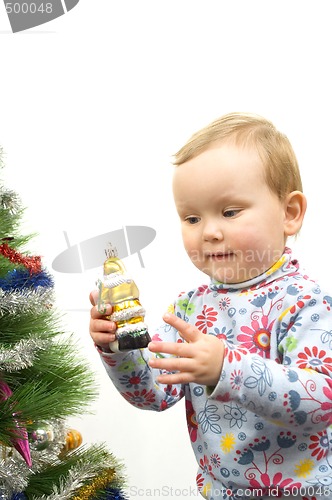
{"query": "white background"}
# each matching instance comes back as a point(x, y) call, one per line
point(92, 107)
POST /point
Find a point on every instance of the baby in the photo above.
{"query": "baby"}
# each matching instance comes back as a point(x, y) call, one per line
point(251, 350)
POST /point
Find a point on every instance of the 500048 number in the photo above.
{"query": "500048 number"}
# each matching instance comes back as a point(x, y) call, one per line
point(308, 491)
point(28, 8)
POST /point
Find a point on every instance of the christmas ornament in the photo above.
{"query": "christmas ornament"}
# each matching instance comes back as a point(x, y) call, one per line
point(20, 442)
point(41, 437)
point(119, 290)
point(73, 440)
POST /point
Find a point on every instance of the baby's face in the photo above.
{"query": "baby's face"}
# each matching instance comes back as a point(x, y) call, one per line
point(232, 224)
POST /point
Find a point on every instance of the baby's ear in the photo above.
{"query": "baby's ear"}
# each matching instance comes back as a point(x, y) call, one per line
point(295, 208)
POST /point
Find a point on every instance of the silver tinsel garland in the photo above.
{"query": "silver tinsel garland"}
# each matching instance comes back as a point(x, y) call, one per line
point(79, 473)
point(13, 476)
point(26, 301)
point(17, 302)
point(22, 354)
point(82, 472)
point(9, 200)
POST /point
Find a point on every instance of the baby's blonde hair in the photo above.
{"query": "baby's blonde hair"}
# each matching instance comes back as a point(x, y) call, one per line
point(246, 129)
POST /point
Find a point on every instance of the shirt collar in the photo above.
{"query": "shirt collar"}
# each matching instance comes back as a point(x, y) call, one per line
point(284, 266)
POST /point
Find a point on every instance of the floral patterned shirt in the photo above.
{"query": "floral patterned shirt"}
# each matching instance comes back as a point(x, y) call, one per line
point(265, 429)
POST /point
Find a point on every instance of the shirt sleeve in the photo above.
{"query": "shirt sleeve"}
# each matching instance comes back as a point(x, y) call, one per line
point(295, 388)
point(136, 381)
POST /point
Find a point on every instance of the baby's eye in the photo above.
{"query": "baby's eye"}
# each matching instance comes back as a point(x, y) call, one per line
point(231, 212)
point(192, 220)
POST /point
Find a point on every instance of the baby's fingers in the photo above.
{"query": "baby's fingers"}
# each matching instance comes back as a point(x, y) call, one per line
point(93, 297)
point(187, 331)
point(171, 364)
point(165, 348)
point(179, 370)
point(96, 313)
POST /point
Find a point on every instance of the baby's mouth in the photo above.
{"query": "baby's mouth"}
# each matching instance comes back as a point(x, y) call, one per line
point(221, 256)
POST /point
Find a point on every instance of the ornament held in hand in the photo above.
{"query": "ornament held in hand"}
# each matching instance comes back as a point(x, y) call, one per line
point(121, 292)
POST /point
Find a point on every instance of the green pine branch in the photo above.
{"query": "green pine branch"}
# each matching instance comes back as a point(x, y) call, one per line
point(14, 327)
point(58, 385)
point(78, 469)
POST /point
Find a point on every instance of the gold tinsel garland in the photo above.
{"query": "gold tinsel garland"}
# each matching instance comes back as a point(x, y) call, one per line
point(99, 483)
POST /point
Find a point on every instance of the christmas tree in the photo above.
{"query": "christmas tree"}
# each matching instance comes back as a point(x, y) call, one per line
point(44, 380)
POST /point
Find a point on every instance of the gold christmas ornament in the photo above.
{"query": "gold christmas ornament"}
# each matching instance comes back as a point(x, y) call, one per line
point(119, 290)
point(73, 440)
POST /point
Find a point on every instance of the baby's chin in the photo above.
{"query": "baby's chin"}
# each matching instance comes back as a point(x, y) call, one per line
point(232, 279)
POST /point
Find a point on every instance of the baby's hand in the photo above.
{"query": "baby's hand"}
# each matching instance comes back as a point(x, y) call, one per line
point(199, 359)
point(102, 330)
